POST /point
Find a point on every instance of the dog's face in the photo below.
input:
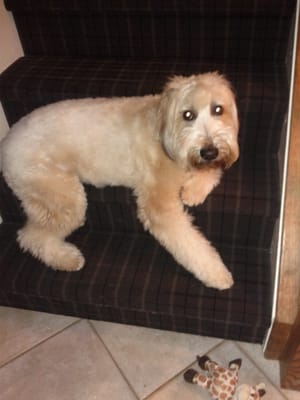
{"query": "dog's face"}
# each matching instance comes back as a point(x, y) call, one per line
point(199, 122)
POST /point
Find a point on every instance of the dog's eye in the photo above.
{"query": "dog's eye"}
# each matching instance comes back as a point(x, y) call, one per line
point(189, 115)
point(216, 110)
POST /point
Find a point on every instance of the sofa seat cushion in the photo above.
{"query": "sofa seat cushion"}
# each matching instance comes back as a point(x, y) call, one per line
point(132, 279)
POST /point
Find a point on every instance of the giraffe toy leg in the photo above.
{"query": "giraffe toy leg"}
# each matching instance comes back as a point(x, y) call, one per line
point(192, 376)
point(208, 365)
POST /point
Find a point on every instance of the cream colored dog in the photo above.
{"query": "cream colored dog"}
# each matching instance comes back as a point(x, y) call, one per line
point(170, 148)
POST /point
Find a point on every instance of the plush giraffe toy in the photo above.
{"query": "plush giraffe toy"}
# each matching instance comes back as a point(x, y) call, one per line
point(221, 382)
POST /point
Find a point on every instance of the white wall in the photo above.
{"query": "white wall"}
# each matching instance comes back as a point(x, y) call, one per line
point(10, 50)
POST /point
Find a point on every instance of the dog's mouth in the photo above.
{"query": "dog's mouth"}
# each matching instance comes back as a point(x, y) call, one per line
point(210, 157)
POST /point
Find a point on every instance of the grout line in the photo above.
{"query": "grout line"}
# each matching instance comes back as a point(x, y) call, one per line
point(113, 359)
point(181, 371)
point(260, 369)
point(39, 343)
point(218, 345)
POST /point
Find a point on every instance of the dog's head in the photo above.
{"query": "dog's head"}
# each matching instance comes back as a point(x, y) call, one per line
point(198, 121)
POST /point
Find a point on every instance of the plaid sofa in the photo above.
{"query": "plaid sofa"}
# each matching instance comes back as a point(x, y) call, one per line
point(111, 48)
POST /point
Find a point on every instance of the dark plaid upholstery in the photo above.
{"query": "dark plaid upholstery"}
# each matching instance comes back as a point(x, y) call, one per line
point(155, 29)
point(94, 48)
point(129, 278)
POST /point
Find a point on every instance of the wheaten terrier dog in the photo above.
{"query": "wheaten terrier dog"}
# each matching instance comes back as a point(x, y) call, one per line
point(170, 149)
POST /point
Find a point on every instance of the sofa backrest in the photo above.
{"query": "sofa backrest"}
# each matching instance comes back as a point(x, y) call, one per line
point(235, 30)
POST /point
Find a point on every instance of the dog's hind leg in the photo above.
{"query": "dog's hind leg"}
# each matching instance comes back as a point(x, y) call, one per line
point(163, 215)
point(55, 206)
point(50, 249)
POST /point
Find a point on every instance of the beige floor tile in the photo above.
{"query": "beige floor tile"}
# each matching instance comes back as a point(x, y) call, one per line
point(291, 394)
point(270, 367)
point(178, 389)
point(73, 365)
point(22, 329)
point(149, 357)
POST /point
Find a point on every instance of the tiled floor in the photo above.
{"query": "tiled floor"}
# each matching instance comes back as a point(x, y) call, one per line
point(48, 357)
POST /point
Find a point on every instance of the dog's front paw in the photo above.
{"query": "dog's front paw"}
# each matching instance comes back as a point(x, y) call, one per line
point(191, 197)
point(221, 279)
point(215, 274)
point(224, 281)
point(198, 185)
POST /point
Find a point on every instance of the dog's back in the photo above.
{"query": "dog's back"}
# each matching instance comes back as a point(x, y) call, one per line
point(92, 138)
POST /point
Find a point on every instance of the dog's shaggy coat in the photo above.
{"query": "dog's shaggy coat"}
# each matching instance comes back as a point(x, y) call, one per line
point(170, 149)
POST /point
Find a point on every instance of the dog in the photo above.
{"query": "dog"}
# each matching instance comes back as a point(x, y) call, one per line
point(170, 148)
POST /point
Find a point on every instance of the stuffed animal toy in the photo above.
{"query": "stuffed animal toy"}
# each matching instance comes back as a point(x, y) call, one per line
point(247, 392)
point(222, 382)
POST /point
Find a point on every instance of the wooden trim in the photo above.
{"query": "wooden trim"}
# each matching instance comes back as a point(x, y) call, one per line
point(278, 340)
point(290, 378)
point(290, 360)
point(289, 283)
point(284, 342)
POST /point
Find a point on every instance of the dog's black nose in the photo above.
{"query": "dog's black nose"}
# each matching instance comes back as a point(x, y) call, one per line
point(209, 153)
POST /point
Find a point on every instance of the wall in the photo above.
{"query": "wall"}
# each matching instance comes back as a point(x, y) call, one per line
point(10, 50)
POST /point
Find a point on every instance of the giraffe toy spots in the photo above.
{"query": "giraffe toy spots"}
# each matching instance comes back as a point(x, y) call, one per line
point(222, 382)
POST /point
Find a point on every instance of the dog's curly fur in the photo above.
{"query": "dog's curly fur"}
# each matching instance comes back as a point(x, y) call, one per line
point(170, 149)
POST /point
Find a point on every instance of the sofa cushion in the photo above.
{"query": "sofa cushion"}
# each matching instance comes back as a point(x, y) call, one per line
point(132, 279)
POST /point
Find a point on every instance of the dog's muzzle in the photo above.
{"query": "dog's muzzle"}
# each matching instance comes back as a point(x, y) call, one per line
point(210, 156)
point(209, 153)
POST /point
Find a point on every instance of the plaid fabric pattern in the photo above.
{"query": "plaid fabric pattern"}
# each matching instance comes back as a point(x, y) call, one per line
point(131, 279)
point(234, 7)
point(91, 48)
point(155, 29)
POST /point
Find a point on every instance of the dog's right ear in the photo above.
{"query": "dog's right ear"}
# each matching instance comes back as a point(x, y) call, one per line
point(172, 96)
point(174, 89)
point(166, 116)
point(164, 119)
point(164, 109)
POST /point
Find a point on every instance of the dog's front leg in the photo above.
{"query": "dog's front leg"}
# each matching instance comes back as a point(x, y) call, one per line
point(198, 185)
point(162, 213)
